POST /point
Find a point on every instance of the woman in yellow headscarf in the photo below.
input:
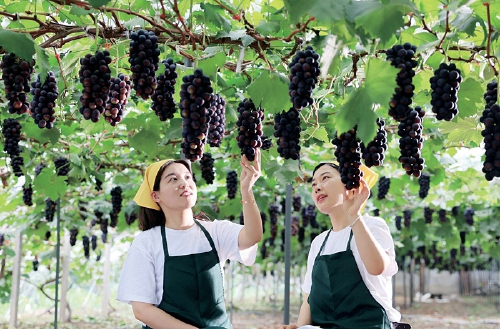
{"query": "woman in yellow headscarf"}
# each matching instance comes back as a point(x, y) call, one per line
point(350, 266)
point(172, 276)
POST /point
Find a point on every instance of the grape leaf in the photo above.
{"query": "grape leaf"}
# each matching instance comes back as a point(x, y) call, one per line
point(469, 97)
point(210, 65)
point(98, 3)
point(42, 60)
point(465, 20)
point(20, 44)
point(142, 141)
point(79, 11)
point(463, 131)
point(211, 14)
point(324, 10)
point(270, 90)
point(50, 185)
point(286, 173)
point(237, 35)
point(319, 133)
point(268, 28)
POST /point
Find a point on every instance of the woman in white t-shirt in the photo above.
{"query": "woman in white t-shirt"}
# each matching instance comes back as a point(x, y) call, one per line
point(350, 266)
point(172, 275)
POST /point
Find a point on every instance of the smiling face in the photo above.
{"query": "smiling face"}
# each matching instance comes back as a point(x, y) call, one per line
point(327, 189)
point(177, 190)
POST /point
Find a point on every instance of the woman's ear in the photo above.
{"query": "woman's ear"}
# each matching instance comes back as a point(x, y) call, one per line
point(154, 196)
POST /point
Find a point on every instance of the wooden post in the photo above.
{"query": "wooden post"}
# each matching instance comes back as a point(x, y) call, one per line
point(105, 281)
point(16, 280)
point(66, 259)
point(412, 270)
point(257, 281)
point(243, 281)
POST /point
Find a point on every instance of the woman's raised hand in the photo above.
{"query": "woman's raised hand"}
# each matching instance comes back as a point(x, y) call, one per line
point(250, 172)
point(355, 198)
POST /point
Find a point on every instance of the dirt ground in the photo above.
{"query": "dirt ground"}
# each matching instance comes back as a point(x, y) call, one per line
point(456, 313)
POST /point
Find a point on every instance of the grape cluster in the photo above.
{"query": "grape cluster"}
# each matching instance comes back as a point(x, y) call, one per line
point(86, 246)
point(411, 141)
point(28, 195)
point(11, 130)
point(207, 168)
point(39, 167)
point(287, 131)
point(266, 142)
point(103, 223)
point(93, 241)
point(442, 215)
point(116, 199)
point(95, 77)
point(491, 133)
point(301, 234)
point(163, 102)
point(273, 214)
point(424, 182)
point(50, 209)
point(73, 232)
point(304, 72)
point(62, 166)
point(35, 265)
point(47, 235)
point(349, 158)
point(469, 216)
point(42, 107)
point(2, 239)
point(295, 225)
point(297, 203)
point(398, 222)
point(195, 105)
point(232, 184)
point(462, 236)
point(428, 215)
point(249, 125)
point(383, 187)
point(309, 216)
point(217, 126)
point(144, 59)
point(455, 210)
point(445, 85)
point(263, 218)
point(401, 57)
point(373, 153)
point(130, 218)
point(119, 91)
point(407, 217)
point(16, 74)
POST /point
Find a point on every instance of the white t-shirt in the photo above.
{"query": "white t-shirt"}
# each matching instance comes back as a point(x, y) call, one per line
point(141, 279)
point(380, 286)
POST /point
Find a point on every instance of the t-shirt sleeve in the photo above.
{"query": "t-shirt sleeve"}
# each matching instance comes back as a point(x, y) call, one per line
point(382, 234)
point(137, 279)
point(227, 233)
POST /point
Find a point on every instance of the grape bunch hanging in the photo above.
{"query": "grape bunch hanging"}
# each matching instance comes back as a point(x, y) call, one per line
point(119, 91)
point(116, 202)
point(195, 105)
point(217, 126)
point(144, 59)
point(207, 168)
point(374, 153)
point(442, 215)
point(50, 209)
point(163, 103)
point(383, 187)
point(424, 183)
point(266, 142)
point(42, 107)
point(491, 133)
point(86, 246)
point(28, 195)
point(62, 166)
point(16, 75)
point(249, 125)
point(95, 77)
point(411, 141)
point(445, 85)
point(73, 233)
point(428, 215)
point(348, 155)
point(232, 184)
point(11, 130)
point(304, 72)
point(469, 216)
point(287, 131)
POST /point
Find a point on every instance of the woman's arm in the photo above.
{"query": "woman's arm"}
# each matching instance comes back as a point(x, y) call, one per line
point(157, 318)
point(252, 230)
point(305, 313)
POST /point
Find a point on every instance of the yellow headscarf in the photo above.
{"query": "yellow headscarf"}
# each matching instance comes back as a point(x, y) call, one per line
point(143, 196)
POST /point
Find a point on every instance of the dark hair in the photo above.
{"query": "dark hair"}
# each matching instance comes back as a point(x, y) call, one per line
point(331, 164)
point(149, 218)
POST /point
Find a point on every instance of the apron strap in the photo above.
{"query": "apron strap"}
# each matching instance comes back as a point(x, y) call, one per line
point(209, 238)
point(323, 244)
point(349, 242)
point(164, 240)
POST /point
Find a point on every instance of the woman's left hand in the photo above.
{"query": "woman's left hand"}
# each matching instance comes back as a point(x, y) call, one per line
point(250, 173)
point(355, 198)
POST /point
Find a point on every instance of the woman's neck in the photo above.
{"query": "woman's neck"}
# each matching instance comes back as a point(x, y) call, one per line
point(179, 220)
point(339, 220)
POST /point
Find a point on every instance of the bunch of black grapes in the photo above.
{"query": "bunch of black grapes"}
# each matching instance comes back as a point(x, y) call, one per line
point(295, 225)
point(304, 72)
point(116, 202)
point(407, 217)
point(119, 91)
point(469, 216)
point(42, 107)
point(455, 210)
point(217, 126)
point(103, 223)
point(73, 232)
point(50, 209)
point(309, 216)
point(266, 143)
point(232, 184)
point(130, 218)
point(93, 241)
point(11, 130)
point(39, 167)
point(62, 166)
point(491, 133)
point(95, 77)
point(86, 246)
point(349, 158)
point(249, 128)
point(47, 235)
point(424, 182)
point(207, 168)
point(445, 85)
point(383, 187)
point(462, 236)
point(16, 74)
point(442, 215)
point(2, 239)
point(273, 214)
point(297, 202)
point(28, 195)
point(398, 222)
point(428, 215)
point(163, 102)
point(411, 141)
point(373, 153)
point(401, 57)
point(287, 131)
point(144, 59)
point(35, 265)
point(195, 105)
point(263, 218)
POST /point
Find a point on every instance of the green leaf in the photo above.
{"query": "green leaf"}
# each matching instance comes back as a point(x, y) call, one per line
point(50, 185)
point(268, 28)
point(465, 20)
point(42, 135)
point(42, 60)
point(20, 44)
point(98, 3)
point(324, 10)
point(138, 5)
point(145, 141)
point(78, 11)
point(469, 96)
point(319, 133)
point(463, 131)
point(16, 7)
point(237, 35)
point(270, 90)
point(212, 14)
point(286, 173)
point(211, 64)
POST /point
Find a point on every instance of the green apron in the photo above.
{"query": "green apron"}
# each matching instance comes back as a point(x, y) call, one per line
point(193, 290)
point(339, 298)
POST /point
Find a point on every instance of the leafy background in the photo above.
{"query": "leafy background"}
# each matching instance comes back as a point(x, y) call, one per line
point(245, 47)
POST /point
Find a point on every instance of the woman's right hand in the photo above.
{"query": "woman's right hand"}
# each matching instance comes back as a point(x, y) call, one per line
point(290, 326)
